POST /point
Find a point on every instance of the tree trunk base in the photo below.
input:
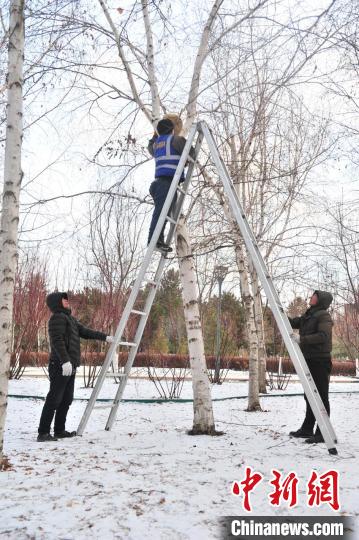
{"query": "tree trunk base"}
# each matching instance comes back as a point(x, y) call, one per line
point(255, 408)
point(210, 431)
point(5, 464)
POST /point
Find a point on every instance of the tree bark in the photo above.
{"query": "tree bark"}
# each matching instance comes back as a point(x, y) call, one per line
point(262, 353)
point(241, 254)
point(247, 297)
point(156, 102)
point(202, 53)
point(125, 63)
point(242, 259)
point(10, 201)
point(203, 421)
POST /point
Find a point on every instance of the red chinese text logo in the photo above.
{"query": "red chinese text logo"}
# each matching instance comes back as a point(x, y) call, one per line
point(288, 489)
point(321, 489)
point(249, 483)
point(324, 489)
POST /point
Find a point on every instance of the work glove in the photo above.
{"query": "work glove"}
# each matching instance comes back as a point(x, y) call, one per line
point(296, 338)
point(67, 369)
point(110, 339)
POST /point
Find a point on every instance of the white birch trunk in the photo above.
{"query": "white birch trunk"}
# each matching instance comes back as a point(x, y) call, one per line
point(203, 421)
point(253, 382)
point(262, 353)
point(156, 102)
point(243, 263)
point(125, 63)
point(10, 202)
point(253, 393)
point(191, 107)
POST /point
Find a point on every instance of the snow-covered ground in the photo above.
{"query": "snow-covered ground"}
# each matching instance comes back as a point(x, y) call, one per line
point(148, 479)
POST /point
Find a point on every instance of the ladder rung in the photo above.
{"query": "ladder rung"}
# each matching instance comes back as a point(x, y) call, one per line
point(172, 220)
point(127, 344)
point(137, 312)
point(181, 190)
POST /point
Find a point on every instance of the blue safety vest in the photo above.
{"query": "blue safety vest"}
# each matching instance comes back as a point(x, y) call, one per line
point(166, 156)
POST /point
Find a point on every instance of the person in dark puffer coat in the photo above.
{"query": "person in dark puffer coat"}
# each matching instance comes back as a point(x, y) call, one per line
point(315, 341)
point(64, 334)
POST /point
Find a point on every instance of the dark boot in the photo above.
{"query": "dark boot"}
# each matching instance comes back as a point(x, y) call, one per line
point(315, 439)
point(45, 437)
point(163, 247)
point(302, 433)
point(65, 434)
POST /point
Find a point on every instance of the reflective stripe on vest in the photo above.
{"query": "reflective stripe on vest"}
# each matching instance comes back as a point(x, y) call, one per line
point(166, 156)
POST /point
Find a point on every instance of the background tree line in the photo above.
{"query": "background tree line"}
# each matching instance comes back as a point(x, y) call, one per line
point(165, 332)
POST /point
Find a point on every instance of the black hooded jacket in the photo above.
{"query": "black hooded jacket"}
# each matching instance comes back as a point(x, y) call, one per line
point(65, 332)
point(315, 329)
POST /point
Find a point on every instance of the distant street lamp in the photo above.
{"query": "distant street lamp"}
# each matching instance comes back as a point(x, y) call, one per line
point(220, 273)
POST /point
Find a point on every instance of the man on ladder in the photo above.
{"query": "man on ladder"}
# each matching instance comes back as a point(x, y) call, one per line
point(166, 148)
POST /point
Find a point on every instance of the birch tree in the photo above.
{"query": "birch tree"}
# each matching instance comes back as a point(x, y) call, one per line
point(10, 199)
point(203, 411)
point(203, 421)
point(253, 139)
point(191, 112)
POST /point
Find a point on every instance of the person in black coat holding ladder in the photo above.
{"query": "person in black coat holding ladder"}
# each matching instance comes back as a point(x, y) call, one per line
point(315, 341)
point(64, 334)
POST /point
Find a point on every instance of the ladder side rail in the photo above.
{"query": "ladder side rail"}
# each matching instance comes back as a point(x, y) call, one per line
point(118, 335)
point(179, 205)
point(273, 298)
point(117, 338)
point(132, 353)
point(104, 368)
point(244, 226)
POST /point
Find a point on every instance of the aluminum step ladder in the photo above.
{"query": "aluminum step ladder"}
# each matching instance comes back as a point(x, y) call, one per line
point(195, 138)
point(202, 131)
point(280, 316)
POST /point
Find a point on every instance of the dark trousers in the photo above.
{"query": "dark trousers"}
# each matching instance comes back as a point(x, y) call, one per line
point(159, 190)
point(58, 400)
point(320, 370)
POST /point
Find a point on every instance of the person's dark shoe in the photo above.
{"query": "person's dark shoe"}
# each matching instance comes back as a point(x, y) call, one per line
point(45, 437)
point(163, 247)
point(315, 439)
point(65, 434)
point(301, 433)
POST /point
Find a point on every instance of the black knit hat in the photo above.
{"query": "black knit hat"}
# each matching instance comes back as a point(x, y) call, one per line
point(164, 127)
point(54, 300)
